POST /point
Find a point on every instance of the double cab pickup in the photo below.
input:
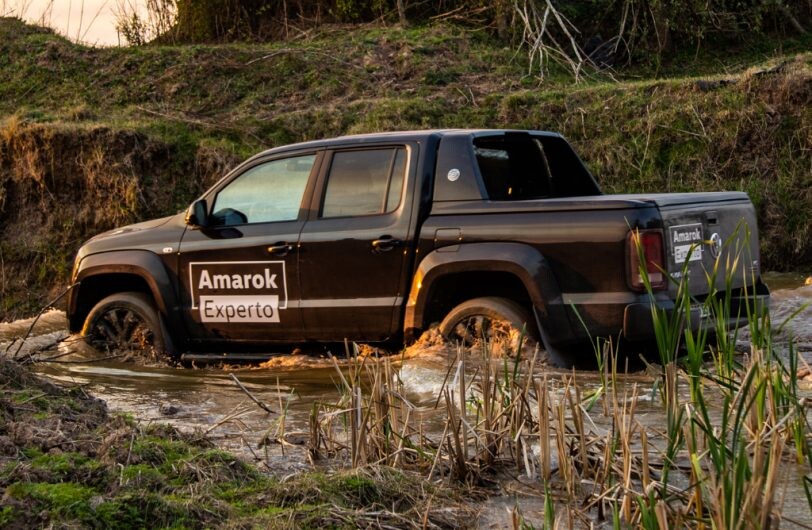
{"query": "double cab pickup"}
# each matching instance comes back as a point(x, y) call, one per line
point(377, 237)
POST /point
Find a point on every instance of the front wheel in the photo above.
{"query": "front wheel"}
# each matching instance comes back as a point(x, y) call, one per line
point(128, 324)
point(496, 321)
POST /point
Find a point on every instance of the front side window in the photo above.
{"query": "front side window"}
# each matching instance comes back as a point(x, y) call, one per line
point(364, 182)
point(265, 193)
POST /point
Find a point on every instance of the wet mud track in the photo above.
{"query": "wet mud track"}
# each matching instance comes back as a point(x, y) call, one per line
point(207, 398)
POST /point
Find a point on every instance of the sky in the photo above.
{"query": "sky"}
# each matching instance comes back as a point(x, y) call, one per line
point(92, 21)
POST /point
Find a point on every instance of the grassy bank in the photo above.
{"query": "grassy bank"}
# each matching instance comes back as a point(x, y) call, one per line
point(65, 462)
point(93, 138)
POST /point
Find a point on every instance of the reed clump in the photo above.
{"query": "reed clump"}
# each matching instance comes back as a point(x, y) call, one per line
point(729, 428)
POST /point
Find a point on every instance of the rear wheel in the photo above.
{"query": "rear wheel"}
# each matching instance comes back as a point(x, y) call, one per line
point(128, 324)
point(497, 321)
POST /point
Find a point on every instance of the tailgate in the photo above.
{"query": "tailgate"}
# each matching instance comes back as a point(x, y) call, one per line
point(708, 231)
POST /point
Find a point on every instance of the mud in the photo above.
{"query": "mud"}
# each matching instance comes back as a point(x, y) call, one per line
point(207, 398)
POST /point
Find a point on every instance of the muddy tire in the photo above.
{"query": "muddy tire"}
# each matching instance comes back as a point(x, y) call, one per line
point(128, 324)
point(491, 318)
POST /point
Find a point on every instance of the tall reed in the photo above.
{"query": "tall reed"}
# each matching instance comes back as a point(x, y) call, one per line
point(733, 422)
point(735, 450)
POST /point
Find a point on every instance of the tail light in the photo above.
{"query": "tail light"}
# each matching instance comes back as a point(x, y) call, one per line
point(646, 246)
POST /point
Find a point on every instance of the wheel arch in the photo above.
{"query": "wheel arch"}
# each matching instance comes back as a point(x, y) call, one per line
point(515, 271)
point(99, 275)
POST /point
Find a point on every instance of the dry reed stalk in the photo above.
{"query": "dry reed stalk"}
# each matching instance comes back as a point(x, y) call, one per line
point(530, 376)
point(339, 372)
point(564, 463)
point(316, 438)
point(488, 389)
point(403, 435)
point(646, 477)
point(240, 410)
point(661, 512)
point(460, 376)
point(771, 480)
point(455, 451)
point(602, 474)
point(438, 454)
point(626, 431)
point(354, 424)
point(578, 423)
point(542, 398)
point(608, 375)
point(259, 403)
point(695, 502)
point(500, 427)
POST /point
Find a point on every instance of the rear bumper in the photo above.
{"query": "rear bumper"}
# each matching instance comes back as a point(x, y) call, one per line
point(638, 322)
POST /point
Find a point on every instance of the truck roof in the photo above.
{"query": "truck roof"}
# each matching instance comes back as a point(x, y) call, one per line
point(395, 136)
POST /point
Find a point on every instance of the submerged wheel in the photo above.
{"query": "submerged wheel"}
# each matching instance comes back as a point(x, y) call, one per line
point(127, 323)
point(493, 319)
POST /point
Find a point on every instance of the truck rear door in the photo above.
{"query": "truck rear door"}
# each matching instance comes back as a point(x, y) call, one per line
point(355, 246)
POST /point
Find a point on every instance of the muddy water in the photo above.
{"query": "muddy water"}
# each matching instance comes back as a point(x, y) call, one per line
point(208, 399)
point(792, 309)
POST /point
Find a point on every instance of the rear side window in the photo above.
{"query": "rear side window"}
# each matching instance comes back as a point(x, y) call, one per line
point(364, 182)
point(524, 167)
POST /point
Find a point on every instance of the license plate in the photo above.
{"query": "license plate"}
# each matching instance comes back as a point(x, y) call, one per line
point(686, 242)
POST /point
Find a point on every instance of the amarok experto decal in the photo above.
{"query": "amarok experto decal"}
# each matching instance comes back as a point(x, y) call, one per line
point(238, 291)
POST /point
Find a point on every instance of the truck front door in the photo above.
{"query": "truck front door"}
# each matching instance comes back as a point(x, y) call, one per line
point(238, 276)
point(354, 248)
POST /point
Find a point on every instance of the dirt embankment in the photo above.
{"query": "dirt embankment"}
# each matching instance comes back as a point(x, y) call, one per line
point(62, 183)
point(750, 132)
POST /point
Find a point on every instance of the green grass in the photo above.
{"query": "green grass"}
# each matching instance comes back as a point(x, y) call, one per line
point(64, 500)
point(154, 126)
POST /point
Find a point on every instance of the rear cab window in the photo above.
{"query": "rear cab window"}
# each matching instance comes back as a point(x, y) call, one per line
point(525, 167)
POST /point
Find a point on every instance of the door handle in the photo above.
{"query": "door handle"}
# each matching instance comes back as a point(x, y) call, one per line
point(384, 244)
point(280, 249)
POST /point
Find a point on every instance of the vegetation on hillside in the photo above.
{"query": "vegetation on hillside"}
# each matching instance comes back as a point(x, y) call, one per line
point(93, 138)
point(602, 31)
point(583, 36)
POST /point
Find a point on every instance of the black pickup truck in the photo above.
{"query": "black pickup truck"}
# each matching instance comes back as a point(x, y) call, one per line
point(376, 237)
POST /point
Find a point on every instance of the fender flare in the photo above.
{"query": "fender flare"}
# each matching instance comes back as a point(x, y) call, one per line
point(142, 263)
point(520, 260)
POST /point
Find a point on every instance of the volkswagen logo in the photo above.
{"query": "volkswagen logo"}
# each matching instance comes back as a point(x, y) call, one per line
point(715, 245)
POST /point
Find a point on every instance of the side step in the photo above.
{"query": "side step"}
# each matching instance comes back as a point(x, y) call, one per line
point(229, 357)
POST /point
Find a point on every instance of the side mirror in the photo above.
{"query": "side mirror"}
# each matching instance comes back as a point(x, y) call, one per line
point(197, 215)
